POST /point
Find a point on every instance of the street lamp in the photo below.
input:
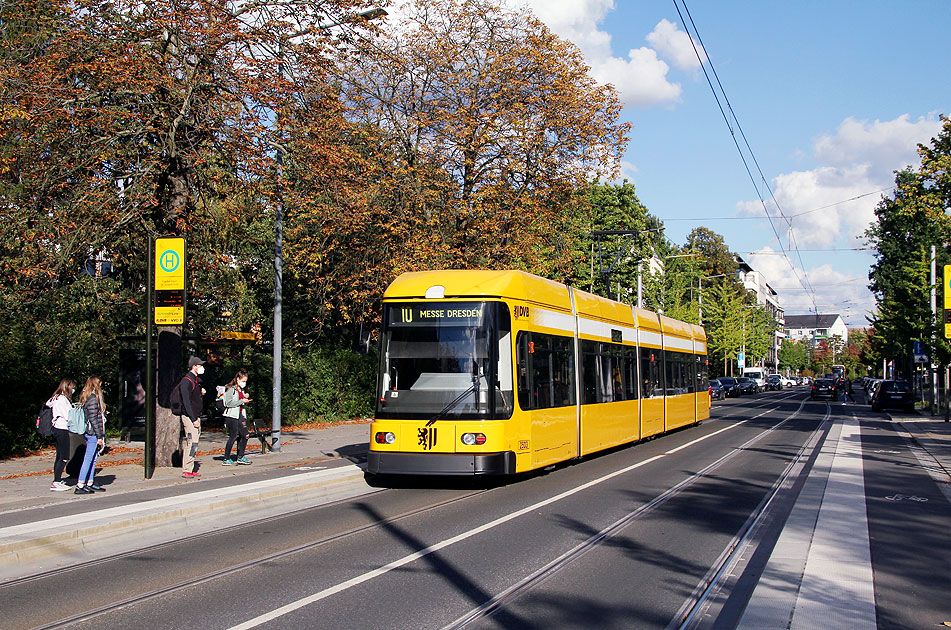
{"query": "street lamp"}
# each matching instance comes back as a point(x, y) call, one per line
point(279, 260)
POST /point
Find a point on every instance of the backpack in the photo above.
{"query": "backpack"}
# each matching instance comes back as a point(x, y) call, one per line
point(76, 419)
point(175, 402)
point(220, 401)
point(44, 421)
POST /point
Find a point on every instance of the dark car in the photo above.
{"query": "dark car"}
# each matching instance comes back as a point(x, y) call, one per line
point(747, 385)
point(893, 395)
point(824, 387)
point(774, 382)
point(716, 390)
point(728, 383)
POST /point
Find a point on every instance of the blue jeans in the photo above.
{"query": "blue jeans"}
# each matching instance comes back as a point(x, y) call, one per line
point(88, 470)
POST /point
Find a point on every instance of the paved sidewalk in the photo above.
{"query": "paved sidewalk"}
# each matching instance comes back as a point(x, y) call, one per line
point(42, 530)
point(25, 481)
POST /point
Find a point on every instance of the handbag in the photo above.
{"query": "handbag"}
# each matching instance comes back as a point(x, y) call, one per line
point(76, 419)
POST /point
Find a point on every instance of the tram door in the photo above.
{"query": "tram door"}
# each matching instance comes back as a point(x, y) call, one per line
point(546, 394)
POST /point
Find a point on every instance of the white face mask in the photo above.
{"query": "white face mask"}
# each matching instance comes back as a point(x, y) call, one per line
point(72, 391)
point(241, 385)
point(201, 369)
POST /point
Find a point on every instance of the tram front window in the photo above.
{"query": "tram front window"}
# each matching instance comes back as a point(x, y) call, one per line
point(446, 360)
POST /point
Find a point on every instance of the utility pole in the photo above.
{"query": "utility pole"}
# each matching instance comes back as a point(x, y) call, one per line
point(933, 371)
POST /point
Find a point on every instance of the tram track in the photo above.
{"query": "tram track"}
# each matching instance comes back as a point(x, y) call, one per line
point(691, 613)
point(100, 611)
point(207, 577)
point(536, 578)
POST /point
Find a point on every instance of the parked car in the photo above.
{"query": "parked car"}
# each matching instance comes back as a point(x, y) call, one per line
point(773, 382)
point(747, 385)
point(823, 387)
point(786, 381)
point(894, 395)
point(729, 385)
point(716, 390)
point(757, 375)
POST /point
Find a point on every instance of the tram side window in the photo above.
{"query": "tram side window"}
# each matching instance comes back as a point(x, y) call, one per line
point(701, 372)
point(590, 372)
point(630, 374)
point(608, 372)
point(545, 371)
point(672, 368)
point(680, 373)
point(652, 372)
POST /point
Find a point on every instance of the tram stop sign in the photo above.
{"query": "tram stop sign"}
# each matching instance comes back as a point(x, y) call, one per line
point(947, 301)
point(169, 281)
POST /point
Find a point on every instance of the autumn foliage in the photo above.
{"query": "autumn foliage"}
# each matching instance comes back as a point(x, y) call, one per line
point(460, 134)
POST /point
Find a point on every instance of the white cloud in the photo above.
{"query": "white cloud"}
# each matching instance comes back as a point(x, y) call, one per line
point(884, 146)
point(675, 45)
point(640, 77)
point(831, 204)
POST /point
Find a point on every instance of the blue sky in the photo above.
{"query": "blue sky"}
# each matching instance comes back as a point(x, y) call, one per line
point(833, 97)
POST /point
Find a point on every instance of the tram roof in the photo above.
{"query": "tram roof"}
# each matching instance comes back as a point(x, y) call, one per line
point(469, 283)
point(481, 283)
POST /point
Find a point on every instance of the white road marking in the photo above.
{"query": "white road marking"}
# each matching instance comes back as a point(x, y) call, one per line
point(366, 577)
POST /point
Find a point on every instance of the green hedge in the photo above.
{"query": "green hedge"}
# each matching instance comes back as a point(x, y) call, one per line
point(326, 384)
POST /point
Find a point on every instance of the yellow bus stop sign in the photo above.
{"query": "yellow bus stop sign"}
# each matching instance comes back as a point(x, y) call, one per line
point(947, 300)
point(170, 281)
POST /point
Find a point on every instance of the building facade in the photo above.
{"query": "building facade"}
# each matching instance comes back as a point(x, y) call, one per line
point(767, 297)
point(816, 327)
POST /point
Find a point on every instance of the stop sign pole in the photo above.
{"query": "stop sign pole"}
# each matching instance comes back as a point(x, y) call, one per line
point(165, 305)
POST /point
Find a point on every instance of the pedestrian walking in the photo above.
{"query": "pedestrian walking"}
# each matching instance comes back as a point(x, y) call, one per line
point(191, 393)
point(95, 409)
point(236, 419)
point(847, 394)
point(60, 402)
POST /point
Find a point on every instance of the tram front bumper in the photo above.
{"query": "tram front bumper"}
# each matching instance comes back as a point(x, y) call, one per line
point(387, 463)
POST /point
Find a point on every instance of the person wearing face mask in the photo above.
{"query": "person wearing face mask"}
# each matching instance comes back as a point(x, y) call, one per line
point(235, 399)
point(60, 403)
point(192, 393)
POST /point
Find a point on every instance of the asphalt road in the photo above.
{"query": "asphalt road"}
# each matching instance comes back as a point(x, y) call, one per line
point(626, 539)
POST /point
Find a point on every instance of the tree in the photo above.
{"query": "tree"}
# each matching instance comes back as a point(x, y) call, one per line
point(614, 207)
point(723, 315)
point(715, 257)
point(793, 355)
point(487, 128)
point(759, 329)
point(122, 121)
point(906, 226)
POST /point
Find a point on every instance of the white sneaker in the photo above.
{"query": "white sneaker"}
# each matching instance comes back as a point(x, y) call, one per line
point(58, 486)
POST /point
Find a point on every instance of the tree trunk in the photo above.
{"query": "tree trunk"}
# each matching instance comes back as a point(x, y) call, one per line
point(168, 427)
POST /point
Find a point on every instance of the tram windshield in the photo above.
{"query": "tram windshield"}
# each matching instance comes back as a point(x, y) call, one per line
point(448, 360)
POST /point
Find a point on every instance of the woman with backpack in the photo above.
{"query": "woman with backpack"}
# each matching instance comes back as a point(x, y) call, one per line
point(234, 401)
point(60, 402)
point(95, 409)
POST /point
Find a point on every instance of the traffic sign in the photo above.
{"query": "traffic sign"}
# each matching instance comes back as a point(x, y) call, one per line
point(169, 264)
point(947, 286)
point(169, 308)
point(169, 285)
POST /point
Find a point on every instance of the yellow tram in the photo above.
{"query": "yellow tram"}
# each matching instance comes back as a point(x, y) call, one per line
point(501, 372)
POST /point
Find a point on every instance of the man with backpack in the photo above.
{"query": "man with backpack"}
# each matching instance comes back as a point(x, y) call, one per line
point(186, 402)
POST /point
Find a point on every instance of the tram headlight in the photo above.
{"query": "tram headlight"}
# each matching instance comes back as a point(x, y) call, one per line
point(385, 437)
point(473, 439)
